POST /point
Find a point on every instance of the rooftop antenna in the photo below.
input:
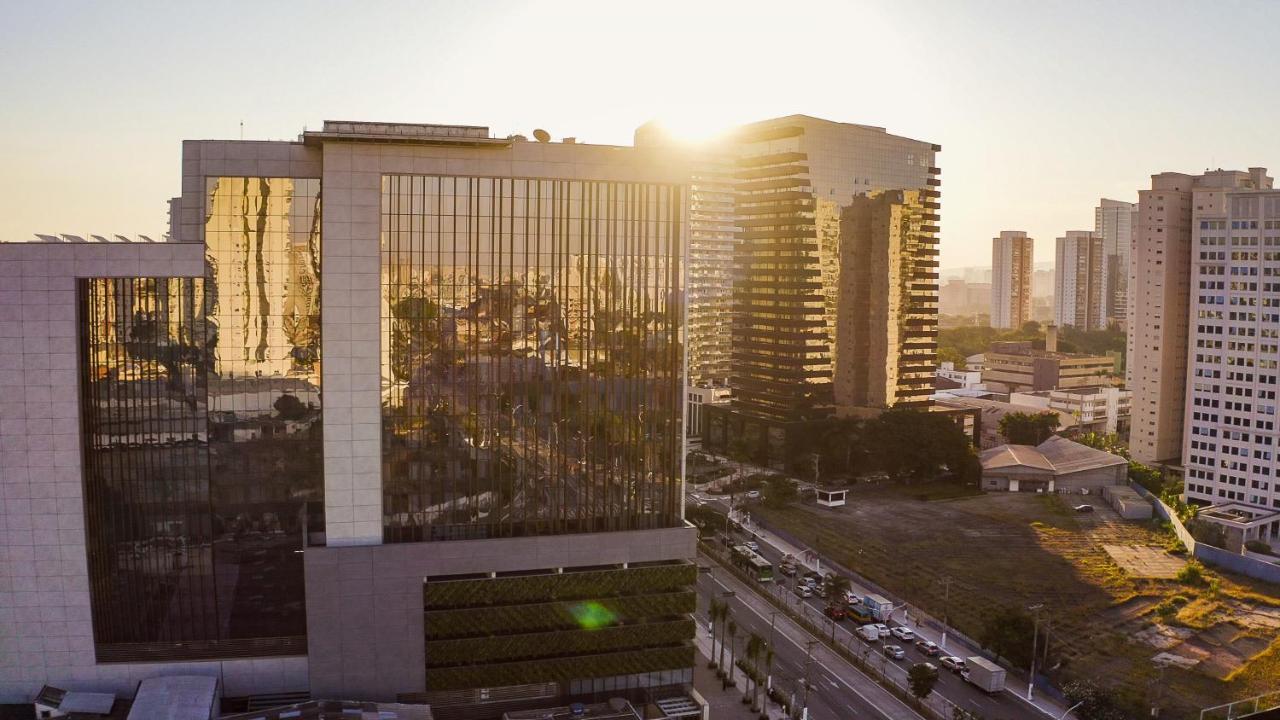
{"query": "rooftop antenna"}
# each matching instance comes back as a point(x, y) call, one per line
point(241, 129)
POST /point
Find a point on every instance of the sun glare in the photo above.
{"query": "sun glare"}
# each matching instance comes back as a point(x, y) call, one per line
point(693, 128)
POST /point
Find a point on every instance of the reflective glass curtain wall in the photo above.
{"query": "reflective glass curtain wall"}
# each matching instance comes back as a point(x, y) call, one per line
point(203, 464)
point(532, 356)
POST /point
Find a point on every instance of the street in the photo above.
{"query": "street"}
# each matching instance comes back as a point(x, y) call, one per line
point(1006, 705)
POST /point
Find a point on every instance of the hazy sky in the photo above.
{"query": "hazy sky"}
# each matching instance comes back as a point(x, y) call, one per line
point(1041, 108)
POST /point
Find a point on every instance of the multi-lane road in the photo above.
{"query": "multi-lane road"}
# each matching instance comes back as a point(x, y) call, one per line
point(999, 706)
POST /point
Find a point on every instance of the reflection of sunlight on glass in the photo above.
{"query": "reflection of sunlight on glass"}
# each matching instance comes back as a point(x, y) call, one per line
point(592, 615)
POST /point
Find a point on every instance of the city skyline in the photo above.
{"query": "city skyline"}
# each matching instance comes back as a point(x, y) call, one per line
point(112, 174)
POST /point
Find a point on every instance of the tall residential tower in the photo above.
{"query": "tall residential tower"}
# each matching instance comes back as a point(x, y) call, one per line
point(1160, 281)
point(1079, 281)
point(1113, 222)
point(1012, 257)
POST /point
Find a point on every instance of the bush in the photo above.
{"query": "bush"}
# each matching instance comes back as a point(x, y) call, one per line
point(1192, 574)
point(1259, 547)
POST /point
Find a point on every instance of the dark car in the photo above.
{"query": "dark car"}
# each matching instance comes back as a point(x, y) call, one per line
point(928, 647)
point(1086, 508)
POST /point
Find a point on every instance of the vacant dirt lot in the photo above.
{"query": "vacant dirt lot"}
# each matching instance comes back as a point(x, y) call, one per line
point(1016, 550)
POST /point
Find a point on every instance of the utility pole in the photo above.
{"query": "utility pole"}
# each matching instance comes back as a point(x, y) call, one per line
point(946, 607)
point(808, 655)
point(1035, 635)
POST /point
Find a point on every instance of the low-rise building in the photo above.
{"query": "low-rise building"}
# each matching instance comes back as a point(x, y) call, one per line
point(1242, 523)
point(1018, 367)
point(950, 378)
point(699, 397)
point(1055, 465)
point(1096, 409)
point(987, 423)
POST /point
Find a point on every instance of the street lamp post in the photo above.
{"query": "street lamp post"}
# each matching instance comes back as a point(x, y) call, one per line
point(808, 655)
point(946, 606)
point(1035, 635)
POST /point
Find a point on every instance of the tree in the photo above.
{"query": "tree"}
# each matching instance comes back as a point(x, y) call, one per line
point(839, 586)
point(911, 444)
point(922, 678)
point(724, 618)
point(1106, 442)
point(733, 647)
point(755, 646)
point(1007, 632)
point(779, 492)
point(714, 611)
point(1028, 428)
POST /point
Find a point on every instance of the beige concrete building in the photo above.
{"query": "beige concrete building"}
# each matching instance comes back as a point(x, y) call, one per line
point(1012, 257)
point(1159, 303)
point(1017, 367)
point(1079, 281)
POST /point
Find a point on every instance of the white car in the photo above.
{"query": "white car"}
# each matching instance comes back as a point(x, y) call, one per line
point(884, 630)
point(903, 634)
point(753, 494)
point(804, 591)
point(752, 545)
point(895, 652)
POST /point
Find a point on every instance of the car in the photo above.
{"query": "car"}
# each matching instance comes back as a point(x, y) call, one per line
point(894, 651)
point(752, 545)
point(1085, 508)
point(952, 663)
point(928, 647)
point(753, 494)
point(903, 634)
point(835, 612)
point(787, 569)
point(810, 581)
point(804, 591)
point(884, 629)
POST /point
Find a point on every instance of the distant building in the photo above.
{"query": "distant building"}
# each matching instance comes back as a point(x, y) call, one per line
point(950, 378)
point(1079, 282)
point(1160, 283)
point(338, 710)
point(1055, 465)
point(1113, 222)
point(986, 425)
point(1017, 367)
point(1012, 254)
point(700, 396)
point(963, 298)
point(1100, 409)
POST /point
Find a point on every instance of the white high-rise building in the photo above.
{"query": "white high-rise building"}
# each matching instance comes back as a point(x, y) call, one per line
point(1160, 281)
point(1113, 221)
point(1231, 441)
point(1011, 269)
point(1078, 281)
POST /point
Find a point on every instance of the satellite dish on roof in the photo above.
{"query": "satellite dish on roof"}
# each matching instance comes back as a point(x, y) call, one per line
point(542, 135)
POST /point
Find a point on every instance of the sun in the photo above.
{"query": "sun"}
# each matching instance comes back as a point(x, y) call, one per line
point(692, 128)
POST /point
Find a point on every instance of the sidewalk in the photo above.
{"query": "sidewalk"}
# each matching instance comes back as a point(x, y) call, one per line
point(725, 704)
point(922, 624)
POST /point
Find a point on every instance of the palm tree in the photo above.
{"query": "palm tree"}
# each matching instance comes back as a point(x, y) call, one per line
point(725, 617)
point(733, 647)
point(839, 588)
point(755, 647)
point(714, 611)
point(768, 663)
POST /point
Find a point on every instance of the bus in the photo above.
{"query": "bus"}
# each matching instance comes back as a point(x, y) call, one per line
point(752, 562)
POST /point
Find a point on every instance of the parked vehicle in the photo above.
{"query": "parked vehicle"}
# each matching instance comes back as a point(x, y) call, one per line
point(804, 591)
point(1086, 508)
point(903, 634)
point(894, 651)
point(928, 647)
point(983, 674)
point(952, 663)
point(869, 633)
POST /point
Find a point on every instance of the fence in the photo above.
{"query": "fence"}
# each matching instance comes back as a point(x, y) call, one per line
point(1216, 556)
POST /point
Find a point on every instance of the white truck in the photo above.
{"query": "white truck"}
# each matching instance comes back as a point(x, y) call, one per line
point(869, 633)
point(983, 673)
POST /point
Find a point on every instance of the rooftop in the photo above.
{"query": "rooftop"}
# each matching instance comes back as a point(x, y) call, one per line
point(175, 697)
point(402, 133)
point(615, 709)
point(1057, 455)
point(338, 710)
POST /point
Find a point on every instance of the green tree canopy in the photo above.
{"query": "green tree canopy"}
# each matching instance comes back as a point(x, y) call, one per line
point(779, 492)
point(922, 678)
point(1028, 428)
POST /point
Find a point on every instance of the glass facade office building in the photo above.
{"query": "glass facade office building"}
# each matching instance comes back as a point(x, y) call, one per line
point(202, 424)
point(532, 360)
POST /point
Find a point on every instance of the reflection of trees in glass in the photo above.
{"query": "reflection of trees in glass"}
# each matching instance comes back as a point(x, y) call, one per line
point(415, 336)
